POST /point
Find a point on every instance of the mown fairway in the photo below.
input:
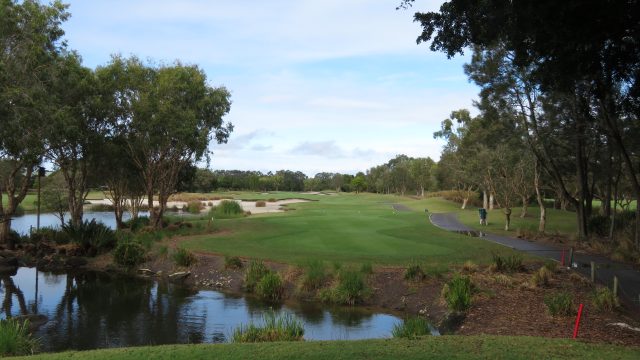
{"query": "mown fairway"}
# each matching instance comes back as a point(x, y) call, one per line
point(344, 228)
point(441, 347)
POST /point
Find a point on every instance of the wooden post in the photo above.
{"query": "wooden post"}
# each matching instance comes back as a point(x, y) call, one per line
point(571, 257)
point(593, 271)
point(615, 287)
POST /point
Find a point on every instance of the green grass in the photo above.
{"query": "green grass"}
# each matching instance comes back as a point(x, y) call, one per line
point(344, 228)
point(274, 327)
point(15, 338)
point(411, 328)
point(432, 347)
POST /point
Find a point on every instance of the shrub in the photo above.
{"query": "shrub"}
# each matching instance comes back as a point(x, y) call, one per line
point(603, 300)
point(541, 277)
point(559, 304)
point(227, 209)
point(15, 338)
point(91, 235)
point(232, 262)
point(261, 204)
point(255, 272)
point(414, 272)
point(411, 328)
point(351, 288)
point(129, 253)
point(510, 264)
point(183, 257)
point(194, 207)
point(285, 327)
point(270, 287)
point(49, 234)
point(314, 275)
point(137, 223)
point(457, 293)
point(272, 200)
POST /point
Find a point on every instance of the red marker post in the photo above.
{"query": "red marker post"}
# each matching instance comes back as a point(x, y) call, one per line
point(575, 329)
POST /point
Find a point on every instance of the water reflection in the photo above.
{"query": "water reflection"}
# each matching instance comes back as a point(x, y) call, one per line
point(93, 310)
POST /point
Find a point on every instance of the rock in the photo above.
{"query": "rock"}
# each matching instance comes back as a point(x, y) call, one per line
point(147, 272)
point(180, 275)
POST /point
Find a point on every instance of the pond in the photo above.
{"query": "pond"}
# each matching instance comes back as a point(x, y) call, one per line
point(95, 310)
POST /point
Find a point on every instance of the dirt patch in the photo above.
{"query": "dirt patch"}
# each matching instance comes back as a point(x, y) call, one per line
point(508, 305)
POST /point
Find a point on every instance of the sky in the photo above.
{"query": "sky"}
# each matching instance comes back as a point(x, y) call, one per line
point(322, 85)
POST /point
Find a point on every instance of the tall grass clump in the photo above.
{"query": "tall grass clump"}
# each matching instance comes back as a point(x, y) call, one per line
point(411, 328)
point(351, 288)
point(284, 327)
point(314, 276)
point(559, 304)
point(512, 263)
point(541, 277)
point(414, 272)
point(227, 209)
point(254, 273)
point(270, 287)
point(603, 300)
point(457, 293)
point(183, 257)
point(366, 268)
point(15, 338)
point(194, 207)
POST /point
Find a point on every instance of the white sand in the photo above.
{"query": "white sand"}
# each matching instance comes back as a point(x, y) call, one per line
point(270, 207)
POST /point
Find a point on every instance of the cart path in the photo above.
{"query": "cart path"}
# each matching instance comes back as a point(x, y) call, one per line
point(606, 269)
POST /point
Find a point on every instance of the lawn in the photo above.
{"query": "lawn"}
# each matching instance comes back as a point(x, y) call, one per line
point(441, 347)
point(28, 204)
point(344, 228)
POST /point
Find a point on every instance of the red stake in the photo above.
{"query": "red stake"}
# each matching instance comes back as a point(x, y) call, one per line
point(562, 258)
point(575, 329)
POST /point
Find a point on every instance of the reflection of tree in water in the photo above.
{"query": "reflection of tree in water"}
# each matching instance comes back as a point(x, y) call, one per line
point(349, 316)
point(311, 313)
point(10, 290)
point(51, 278)
point(257, 307)
point(98, 310)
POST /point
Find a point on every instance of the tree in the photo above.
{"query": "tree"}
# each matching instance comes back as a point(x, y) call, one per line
point(30, 38)
point(420, 170)
point(359, 182)
point(168, 116)
point(54, 197)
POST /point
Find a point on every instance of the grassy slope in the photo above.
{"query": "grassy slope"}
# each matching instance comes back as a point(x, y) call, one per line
point(347, 228)
point(28, 204)
point(563, 222)
point(443, 347)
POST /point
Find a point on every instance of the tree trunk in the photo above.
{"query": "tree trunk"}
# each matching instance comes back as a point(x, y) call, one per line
point(5, 232)
point(491, 202)
point(525, 202)
point(421, 191)
point(464, 203)
point(543, 210)
point(485, 200)
point(507, 218)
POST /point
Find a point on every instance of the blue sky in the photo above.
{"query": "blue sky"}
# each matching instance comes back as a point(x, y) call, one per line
point(316, 85)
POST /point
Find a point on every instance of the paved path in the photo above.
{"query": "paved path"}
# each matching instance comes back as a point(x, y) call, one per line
point(628, 277)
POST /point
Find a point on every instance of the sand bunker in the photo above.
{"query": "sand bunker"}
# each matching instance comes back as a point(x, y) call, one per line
point(270, 207)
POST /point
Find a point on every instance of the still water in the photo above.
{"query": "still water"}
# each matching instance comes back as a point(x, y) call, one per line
point(92, 310)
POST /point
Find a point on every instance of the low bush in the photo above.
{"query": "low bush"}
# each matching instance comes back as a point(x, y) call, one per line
point(411, 328)
point(414, 272)
point(314, 276)
point(101, 207)
point(270, 287)
point(15, 338)
point(227, 209)
point(272, 200)
point(137, 223)
point(91, 235)
point(254, 273)
point(457, 293)
point(512, 263)
point(559, 304)
point(603, 300)
point(183, 257)
point(261, 204)
point(129, 253)
point(285, 327)
point(194, 207)
point(232, 262)
point(49, 234)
